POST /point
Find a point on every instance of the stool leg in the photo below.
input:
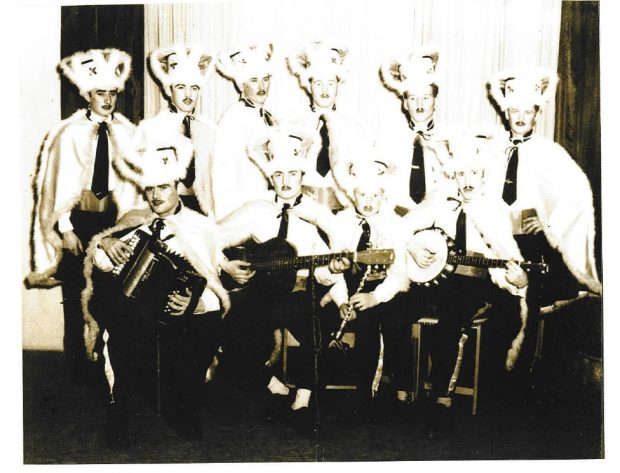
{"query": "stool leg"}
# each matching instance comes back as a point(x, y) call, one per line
point(158, 374)
point(474, 402)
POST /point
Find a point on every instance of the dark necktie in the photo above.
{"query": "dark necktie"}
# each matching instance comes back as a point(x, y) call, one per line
point(268, 117)
point(190, 177)
point(364, 242)
point(322, 161)
point(417, 178)
point(509, 193)
point(101, 172)
point(283, 230)
point(460, 238)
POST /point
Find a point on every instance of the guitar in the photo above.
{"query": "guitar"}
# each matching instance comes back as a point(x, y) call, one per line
point(275, 262)
point(447, 259)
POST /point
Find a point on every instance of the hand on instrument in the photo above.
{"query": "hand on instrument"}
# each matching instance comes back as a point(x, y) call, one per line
point(422, 256)
point(515, 275)
point(363, 300)
point(347, 315)
point(238, 270)
point(117, 250)
point(177, 303)
point(532, 225)
point(72, 243)
point(339, 265)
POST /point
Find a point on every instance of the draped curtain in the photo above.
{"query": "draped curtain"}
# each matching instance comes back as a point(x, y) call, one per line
point(475, 38)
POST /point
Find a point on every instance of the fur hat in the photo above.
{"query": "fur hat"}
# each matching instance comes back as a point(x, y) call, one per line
point(250, 61)
point(181, 64)
point(370, 175)
point(317, 59)
point(158, 163)
point(97, 69)
point(523, 88)
point(411, 73)
point(466, 153)
point(280, 150)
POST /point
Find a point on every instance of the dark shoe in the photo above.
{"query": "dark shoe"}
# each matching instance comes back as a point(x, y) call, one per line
point(304, 422)
point(440, 421)
point(277, 408)
point(116, 430)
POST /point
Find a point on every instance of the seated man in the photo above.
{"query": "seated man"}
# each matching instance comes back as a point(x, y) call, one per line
point(186, 341)
point(282, 158)
point(368, 295)
point(477, 223)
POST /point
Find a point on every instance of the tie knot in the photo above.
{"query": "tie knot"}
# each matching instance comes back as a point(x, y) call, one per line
point(103, 126)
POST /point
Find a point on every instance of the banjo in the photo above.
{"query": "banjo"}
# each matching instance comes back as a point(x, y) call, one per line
point(447, 259)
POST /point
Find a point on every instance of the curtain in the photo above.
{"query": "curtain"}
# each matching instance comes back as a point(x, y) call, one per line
point(475, 38)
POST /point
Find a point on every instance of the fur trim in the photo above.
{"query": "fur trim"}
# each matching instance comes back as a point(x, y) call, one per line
point(517, 343)
point(523, 88)
point(97, 69)
point(412, 73)
point(250, 61)
point(180, 64)
point(317, 59)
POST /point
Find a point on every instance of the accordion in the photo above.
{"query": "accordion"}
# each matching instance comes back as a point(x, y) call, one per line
point(153, 272)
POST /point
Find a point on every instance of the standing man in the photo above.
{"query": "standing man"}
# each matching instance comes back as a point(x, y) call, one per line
point(284, 158)
point(80, 186)
point(235, 179)
point(320, 70)
point(187, 341)
point(550, 197)
point(420, 173)
point(182, 71)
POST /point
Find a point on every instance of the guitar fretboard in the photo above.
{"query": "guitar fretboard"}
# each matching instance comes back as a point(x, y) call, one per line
point(479, 261)
point(299, 262)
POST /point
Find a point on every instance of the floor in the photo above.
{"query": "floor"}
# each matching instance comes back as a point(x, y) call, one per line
point(63, 425)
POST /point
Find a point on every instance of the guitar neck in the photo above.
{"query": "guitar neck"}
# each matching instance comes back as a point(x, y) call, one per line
point(299, 262)
point(479, 261)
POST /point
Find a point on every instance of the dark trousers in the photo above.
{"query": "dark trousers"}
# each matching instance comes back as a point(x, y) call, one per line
point(70, 272)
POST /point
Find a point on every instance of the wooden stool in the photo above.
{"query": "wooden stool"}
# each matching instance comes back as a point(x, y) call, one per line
point(422, 364)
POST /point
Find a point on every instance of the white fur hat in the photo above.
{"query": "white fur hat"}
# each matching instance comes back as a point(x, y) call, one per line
point(468, 153)
point(181, 64)
point(280, 150)
point(251, 61)
point(523, 88)
point(368, 175)
point(413, 72)
point(317, 59)
point(97, 69)
point(159, 162)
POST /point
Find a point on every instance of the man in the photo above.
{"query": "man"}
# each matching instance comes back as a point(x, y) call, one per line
point(320, 70)
point(182, 71)
point(80, 188)
point(420, 174)
point(368, 296)
point(235, 179)
point(187, 342)
point(478, 223)
point(283, 159)
point(549, 196)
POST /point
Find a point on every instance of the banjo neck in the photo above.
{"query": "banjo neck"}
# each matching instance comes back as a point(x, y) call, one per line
point(482, 262)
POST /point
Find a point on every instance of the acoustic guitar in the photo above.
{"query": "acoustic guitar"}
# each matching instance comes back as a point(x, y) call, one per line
point(276, 262)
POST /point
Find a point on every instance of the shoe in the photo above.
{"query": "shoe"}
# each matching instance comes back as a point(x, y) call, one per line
point(277, 408)
point(304, 422)
point(440, 421)
point(116, 432)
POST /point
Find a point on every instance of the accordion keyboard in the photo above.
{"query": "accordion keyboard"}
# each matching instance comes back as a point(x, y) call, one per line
point(133, 243)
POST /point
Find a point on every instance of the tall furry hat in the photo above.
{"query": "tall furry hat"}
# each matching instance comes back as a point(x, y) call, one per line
point(466, 153)
point(181, 64)
point(523, 88)
point(97, 69)
point(280, 150)
point(317, 59)
point(411, 73)
point(369, 175)
point(158, 162)
point(251, 61)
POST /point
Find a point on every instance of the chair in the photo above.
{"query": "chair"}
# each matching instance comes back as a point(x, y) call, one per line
point(468, 382)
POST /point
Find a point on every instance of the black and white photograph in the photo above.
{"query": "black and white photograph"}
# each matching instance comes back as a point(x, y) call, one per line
point(311, 232)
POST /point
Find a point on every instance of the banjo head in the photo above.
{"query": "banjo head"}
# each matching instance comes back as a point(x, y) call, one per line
point(437, 241)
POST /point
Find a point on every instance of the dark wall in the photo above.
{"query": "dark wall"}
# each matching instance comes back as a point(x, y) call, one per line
point(578, 121)
point(103, 26)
